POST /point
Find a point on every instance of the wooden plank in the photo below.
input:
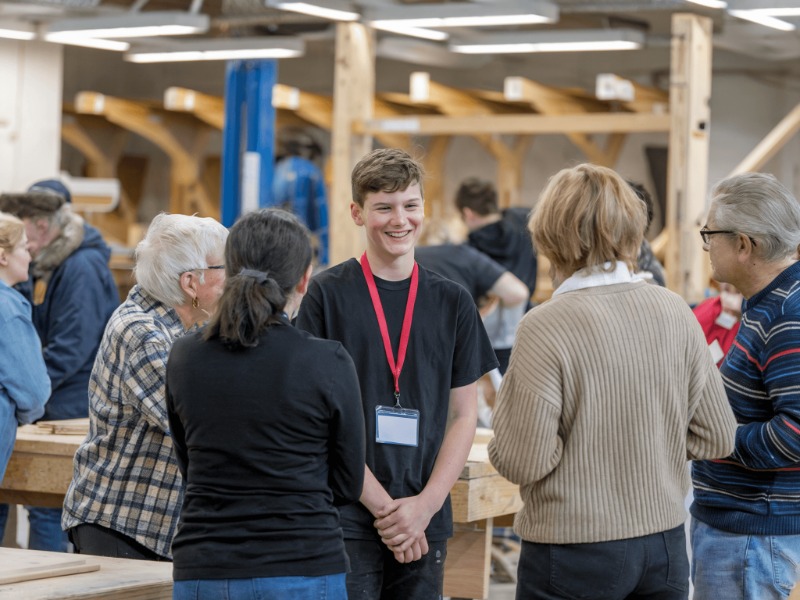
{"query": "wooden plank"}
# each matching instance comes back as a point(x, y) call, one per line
point(516, 124)
point(686, 264)
point(771, 144)
point(207, 108)
point(19, 569)
point(484, 497)
point(468, 565)
point(116, 579)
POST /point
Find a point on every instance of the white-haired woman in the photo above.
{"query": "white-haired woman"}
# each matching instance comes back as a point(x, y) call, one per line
point(126, 491)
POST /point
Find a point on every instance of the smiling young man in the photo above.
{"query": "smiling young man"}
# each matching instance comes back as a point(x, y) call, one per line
point(419, 347)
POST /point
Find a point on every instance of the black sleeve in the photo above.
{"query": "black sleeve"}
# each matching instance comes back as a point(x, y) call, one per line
point(176, 430)
point(310, 317)
point(486, 270)
point(473, 354)
point(347, 445)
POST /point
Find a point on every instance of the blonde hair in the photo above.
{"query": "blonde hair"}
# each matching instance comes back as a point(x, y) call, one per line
point(11, 231)
point(586, 216)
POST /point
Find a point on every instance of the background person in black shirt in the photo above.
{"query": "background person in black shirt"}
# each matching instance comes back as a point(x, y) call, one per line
point(268, 431)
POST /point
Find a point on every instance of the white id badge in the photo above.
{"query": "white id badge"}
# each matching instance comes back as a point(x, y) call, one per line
point(726, 320)
point(716, 351)
point(395, 425)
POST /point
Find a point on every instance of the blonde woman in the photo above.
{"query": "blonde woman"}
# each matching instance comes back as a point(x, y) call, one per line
point(609, 390)
point(24, 384)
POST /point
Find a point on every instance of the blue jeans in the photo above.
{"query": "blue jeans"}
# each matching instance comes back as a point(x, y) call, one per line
point(742, 567)
point(653, 566)
point(46, 532)
point(45, 528)
point(376, 575)
point(328, 587)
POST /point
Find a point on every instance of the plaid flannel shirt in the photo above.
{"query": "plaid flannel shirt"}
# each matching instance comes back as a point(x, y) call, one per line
point(125, 475)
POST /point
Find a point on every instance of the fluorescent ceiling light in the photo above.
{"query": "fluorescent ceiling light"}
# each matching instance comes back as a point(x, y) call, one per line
point(129, 25)
point(16, 30)
point(466, 14)
point(396, 27)
point(777, 11)
point(89, 42)
point(336, 11)
point(710, 3)
point(222, 49)
point(756, 16)
point(579, 40)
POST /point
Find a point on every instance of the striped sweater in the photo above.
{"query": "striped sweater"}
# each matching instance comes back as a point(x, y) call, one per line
point(757, 489)
point(609, 390)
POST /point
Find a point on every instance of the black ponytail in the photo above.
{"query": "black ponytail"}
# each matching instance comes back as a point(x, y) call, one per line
point(266, 256)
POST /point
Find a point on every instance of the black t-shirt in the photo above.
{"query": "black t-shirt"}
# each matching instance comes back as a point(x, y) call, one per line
point(463, 264)
point(508, 242)
point(447, 348)
point(269, 439)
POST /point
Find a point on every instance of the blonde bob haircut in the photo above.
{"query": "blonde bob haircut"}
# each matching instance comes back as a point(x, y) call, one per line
point(586, 216)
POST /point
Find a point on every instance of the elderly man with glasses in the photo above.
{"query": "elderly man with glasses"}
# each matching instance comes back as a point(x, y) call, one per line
point(746, 510)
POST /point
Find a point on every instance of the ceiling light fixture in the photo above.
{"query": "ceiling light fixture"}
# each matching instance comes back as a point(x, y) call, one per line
point(87, 42)
point(335, 11)
point(579, 40)
point(130, 25)
point(419, 32)
point(763, 18)
point(15, 30)
point(465, 14)
point(710, 3)
point(222, 49)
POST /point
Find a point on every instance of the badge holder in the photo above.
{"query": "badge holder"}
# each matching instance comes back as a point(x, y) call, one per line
point(396, 425)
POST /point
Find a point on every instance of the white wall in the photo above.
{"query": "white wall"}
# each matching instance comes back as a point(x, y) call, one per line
point(30, 112)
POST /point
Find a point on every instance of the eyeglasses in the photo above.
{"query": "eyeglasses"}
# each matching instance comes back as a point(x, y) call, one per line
point(212, 267)
point(705, 234)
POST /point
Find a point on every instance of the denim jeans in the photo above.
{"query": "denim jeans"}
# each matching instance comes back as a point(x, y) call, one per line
point(376, 575)
point(45, 528)
point(328, 587)
point(46, 532)
point(652, 566)
point(743, 567)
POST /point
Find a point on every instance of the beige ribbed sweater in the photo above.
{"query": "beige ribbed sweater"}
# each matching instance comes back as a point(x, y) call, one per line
point(609, 391)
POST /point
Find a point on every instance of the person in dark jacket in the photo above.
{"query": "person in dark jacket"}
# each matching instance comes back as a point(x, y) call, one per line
point(72, 293)
point(503, 236)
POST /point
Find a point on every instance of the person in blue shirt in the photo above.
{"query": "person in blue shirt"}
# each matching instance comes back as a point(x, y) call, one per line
point(746, 511)
point(73, 293)
point(298, 185)
point(24, 384)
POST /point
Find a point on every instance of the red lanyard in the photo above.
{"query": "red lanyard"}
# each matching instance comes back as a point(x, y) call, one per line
point(405, 332)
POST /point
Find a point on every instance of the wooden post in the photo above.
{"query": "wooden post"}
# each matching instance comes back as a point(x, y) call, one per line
point(690, 91)
point(353, 93)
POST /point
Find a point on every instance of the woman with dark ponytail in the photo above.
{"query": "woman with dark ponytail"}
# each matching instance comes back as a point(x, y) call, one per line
point(268, 431)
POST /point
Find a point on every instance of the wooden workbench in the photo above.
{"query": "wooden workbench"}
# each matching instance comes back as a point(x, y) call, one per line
point(116, 578)
point(41, 468)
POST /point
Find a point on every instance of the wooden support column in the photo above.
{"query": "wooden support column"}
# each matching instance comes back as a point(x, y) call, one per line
point(690, 91)
point(353, 93)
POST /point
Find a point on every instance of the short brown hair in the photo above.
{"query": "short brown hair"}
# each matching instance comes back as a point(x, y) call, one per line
point(478, 195)
point(586, 216)
point(31, 205)
point(385, 170)
point(11, 230)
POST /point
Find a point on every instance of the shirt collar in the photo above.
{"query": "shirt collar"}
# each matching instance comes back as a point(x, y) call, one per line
point(597, 276)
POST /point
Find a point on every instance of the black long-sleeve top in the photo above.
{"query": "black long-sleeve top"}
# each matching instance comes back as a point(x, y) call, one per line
point(269, 440)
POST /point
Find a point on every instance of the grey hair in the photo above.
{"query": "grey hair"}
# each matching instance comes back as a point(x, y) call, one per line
point(173, 245)
point(758, 205)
